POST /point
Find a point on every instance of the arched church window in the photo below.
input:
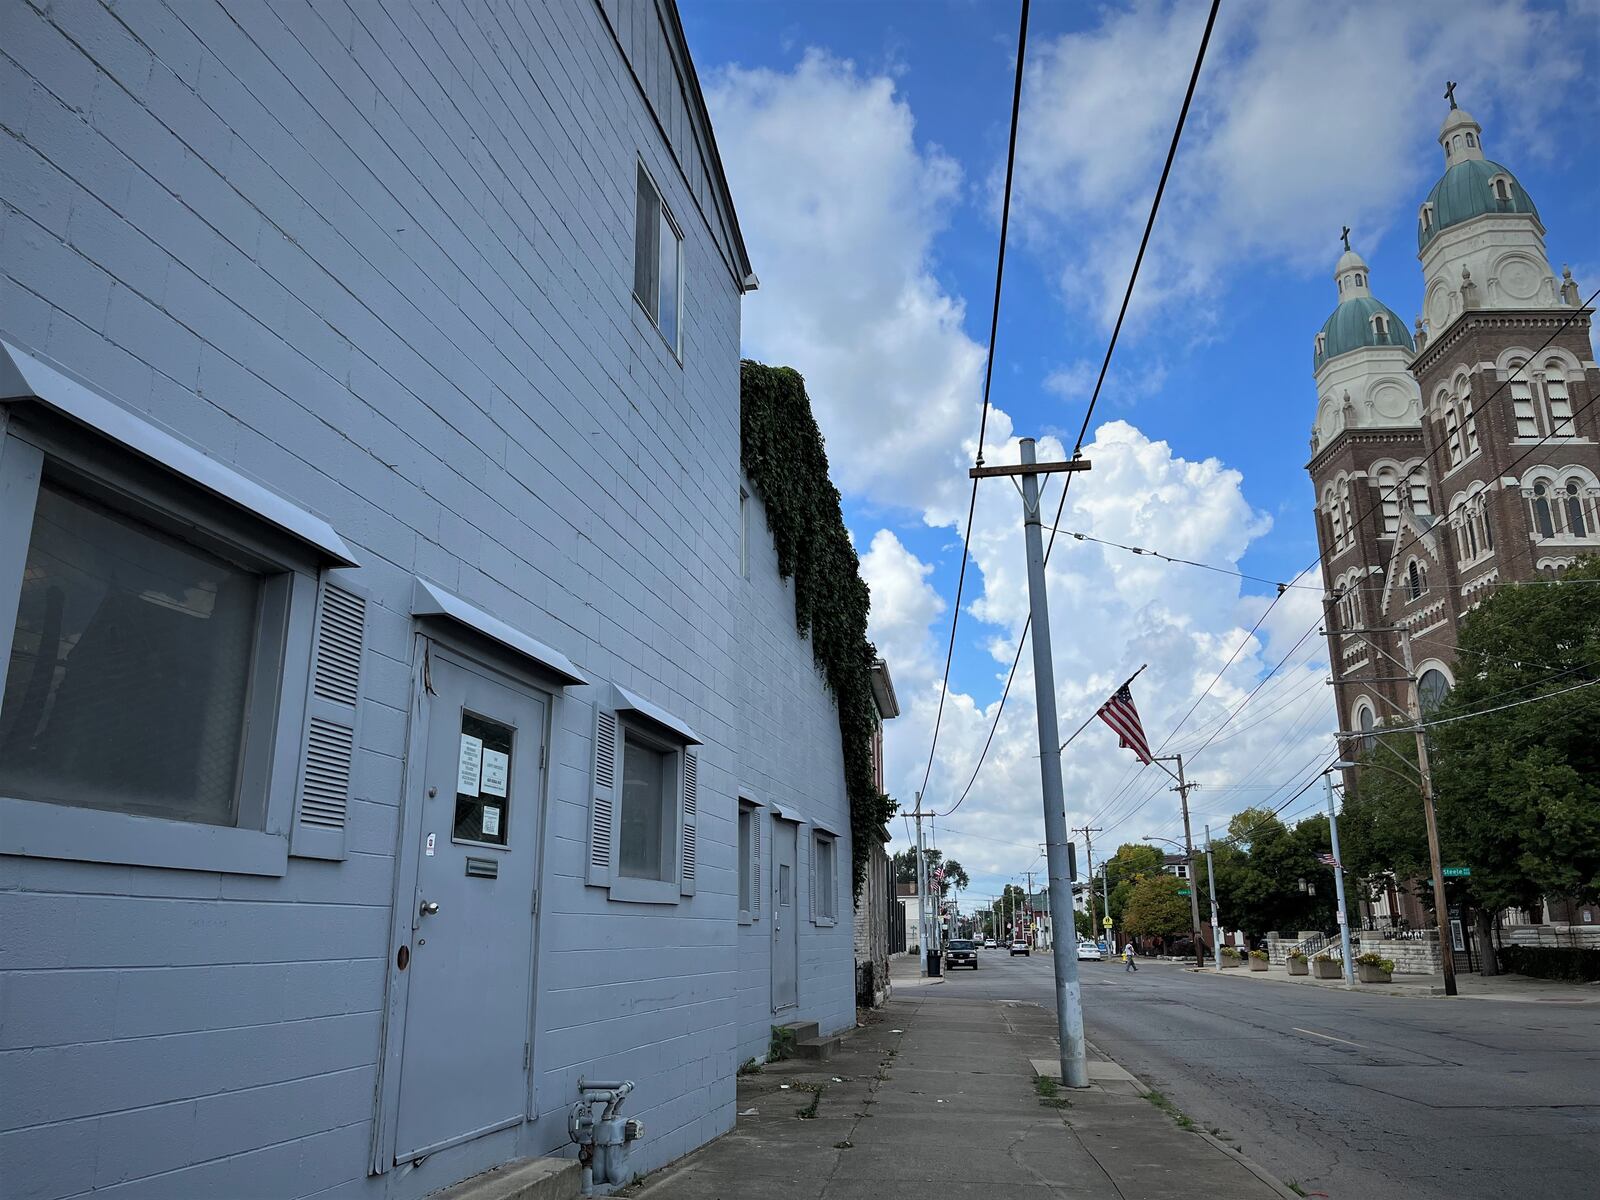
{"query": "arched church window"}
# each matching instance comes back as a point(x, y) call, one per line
point(1470, 140)
point(1419, 496)
point(1432, 688)
point(1560, 402)
point(1380, 326)
point(1542, 519)
point(1575, 521)
point(1349, 521)
point(1502, 190)
point(1414, 579)
point(1366, 721)
point(1427, 218)
point(1322, 344)
point(1485, 528)
point(1389, 497)
point(1452, 429)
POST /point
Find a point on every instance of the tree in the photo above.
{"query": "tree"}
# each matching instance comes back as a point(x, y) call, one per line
point(1083, 924)
point(905, 870)
point(1518, 793)
point(1132, 862)
point(1268, 876)
point(1155, 909)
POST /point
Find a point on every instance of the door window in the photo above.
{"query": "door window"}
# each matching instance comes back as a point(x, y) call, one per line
point(483, 780)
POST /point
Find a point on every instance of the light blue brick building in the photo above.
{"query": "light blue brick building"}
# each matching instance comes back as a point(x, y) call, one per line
point(403, 715)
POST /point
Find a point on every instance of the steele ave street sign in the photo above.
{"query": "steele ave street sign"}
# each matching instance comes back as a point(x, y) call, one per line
point(1456, 872)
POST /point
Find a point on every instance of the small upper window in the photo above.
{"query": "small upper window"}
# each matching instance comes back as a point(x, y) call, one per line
point(1555, 391)
point(658, 261)
point(1322, 343)
point(1471, 141)
point(1502, 190)
point(1415, 578)
point(825, 898)
point(1380, 326)
point(747, 820)
point(1427, 218)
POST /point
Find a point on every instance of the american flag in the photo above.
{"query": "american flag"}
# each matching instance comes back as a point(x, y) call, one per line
point(1119, 713)
point(1327, 860)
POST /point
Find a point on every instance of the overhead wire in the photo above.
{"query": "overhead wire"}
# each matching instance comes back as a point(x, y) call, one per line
point(1094, 396)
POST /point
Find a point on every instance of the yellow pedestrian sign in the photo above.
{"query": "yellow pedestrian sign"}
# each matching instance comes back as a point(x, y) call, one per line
point(1106, 921)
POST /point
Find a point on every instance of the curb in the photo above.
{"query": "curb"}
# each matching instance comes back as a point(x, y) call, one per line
point(1238, 1156)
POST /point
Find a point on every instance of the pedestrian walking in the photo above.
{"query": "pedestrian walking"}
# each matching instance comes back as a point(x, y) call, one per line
point(1127, 958)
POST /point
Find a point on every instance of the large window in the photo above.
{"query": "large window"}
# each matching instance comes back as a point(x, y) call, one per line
point(129, 675)
point(658, 261)
point(1432, 688)
point(649, 842)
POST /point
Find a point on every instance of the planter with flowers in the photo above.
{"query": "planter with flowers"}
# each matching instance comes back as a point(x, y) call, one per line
point(1258, 960)
point(1229, 957)
point(1374, 968)
point(1327, 966)
point(1297, 962)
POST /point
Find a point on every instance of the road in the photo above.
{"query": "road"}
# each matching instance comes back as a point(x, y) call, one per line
point(1357, 1097)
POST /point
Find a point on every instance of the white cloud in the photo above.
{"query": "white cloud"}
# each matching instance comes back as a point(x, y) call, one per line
point(840, 207)
point(1306, 118)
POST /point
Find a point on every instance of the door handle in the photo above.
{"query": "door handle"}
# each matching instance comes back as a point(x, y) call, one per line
point(429, 907)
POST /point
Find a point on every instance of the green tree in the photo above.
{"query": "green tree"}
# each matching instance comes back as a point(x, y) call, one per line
point(1518, 792)
point(1268, 876)
point(1082, 923)
point(1155, 909)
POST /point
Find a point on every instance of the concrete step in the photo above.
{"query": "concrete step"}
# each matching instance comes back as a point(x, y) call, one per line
point(524, 1179)
point(820, 1048)
point(802, 1030)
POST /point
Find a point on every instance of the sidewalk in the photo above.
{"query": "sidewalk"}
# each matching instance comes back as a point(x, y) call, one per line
point(938, 1094)
point(1514, 989)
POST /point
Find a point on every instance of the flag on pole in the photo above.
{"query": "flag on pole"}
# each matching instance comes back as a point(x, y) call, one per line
point(1327, 860)
point(1119, 713)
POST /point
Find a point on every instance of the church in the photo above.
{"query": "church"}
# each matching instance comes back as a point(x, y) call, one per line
point(1456, 455)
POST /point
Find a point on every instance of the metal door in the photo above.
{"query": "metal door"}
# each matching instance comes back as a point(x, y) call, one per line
point(466, 1050)
point(785, 915)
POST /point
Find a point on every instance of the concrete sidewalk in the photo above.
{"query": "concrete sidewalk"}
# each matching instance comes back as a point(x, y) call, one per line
point(938, 1094)
point(1514, 989)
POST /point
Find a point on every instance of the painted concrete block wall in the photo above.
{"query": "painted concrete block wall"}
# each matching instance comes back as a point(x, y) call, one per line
point(380, 257)
point(789, 757)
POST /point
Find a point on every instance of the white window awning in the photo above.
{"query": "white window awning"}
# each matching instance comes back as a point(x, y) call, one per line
point(431, 600)
point(626, 701)
point(24, 377)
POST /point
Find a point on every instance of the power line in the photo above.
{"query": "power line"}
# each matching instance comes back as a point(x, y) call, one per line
point(1094, 397)
point(988, 379)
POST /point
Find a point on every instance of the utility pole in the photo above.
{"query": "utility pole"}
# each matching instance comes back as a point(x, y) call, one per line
point(1088, 842)
point(922, 893)
point(1338, 883)
point(1069, 999)
point(1188, 849)
point(1447, 961)
point(1027, 910)
point(1211, 883)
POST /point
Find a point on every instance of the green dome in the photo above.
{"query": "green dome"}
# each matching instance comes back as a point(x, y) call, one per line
point(1465, 192)
point(1350, 328)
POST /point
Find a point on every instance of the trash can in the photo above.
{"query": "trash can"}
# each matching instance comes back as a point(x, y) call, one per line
point(933, 962)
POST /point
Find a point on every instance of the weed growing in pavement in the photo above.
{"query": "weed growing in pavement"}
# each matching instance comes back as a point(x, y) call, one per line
point(1171, 1109)
point(750, 1067)
point(1049, 1092)
point(1296, 1188)
point(816, 1090)
point(847, 1144)
point(782, 1044)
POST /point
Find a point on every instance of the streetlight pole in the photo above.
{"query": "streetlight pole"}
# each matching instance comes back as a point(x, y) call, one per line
point(1338, 881)
point(924, 944)
point(1211, 883)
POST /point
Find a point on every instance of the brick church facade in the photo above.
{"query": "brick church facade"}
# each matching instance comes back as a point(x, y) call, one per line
point(1456, 456)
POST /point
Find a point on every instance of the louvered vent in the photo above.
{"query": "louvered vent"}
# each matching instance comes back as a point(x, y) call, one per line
point(600, 832)
point(325, 794)
point(758, 818)
point(691, 770)
point(605, 751)
point(338, 669)
point(689, 856)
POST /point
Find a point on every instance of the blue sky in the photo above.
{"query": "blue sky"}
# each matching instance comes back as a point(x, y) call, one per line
point(865, 146)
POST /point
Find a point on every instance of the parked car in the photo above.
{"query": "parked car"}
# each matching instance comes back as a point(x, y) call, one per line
point(990, 944)
point(961, 953)
point(1019, 947)
point(1089, 952)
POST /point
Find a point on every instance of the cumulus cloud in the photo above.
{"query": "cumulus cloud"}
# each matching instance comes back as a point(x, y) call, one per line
point(1306, 119)
point(840, 207)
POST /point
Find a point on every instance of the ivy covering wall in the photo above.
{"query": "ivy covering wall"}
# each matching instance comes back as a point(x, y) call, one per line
point(783, 454)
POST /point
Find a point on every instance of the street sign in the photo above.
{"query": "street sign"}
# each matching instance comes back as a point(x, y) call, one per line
point(1185, 892)
point(1456, 872)
point(1106, 921)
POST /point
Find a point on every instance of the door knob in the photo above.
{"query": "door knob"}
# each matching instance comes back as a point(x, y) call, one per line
point(429, 907)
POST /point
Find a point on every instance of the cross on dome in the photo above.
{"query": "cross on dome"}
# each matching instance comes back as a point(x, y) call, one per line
point(1345, 235)
point(1450, 91)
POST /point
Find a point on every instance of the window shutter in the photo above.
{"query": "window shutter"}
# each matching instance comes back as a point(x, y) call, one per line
point(691, 803)
point(322, 799)
point(811, 860)
point(603, 810)
point(758, 818)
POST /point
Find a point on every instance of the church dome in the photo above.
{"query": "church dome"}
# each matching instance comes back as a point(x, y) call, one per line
point(1361, 319)
point(1471, 189)
point(1351, 327)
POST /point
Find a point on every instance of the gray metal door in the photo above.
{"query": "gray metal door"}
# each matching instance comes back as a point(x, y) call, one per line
point(785, 915)
point(464, 1067)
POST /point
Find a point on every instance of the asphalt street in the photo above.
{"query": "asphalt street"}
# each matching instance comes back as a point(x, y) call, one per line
point(1350, 1095)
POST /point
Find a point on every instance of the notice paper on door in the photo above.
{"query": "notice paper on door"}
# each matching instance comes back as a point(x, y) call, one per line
point(491, 820)
point(496, 766)
point(470, 765)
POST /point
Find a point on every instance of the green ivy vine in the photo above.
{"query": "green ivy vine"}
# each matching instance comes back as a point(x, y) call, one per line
point(783, 454)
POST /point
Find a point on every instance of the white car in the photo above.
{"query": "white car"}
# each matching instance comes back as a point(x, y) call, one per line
point(1089, 952)
point(990, 944)
point(1020, 947)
